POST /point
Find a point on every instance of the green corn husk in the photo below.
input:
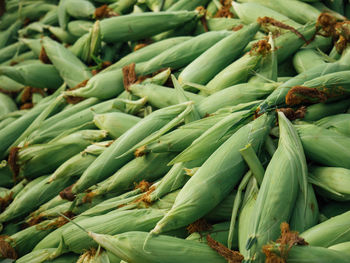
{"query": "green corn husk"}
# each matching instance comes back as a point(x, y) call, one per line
point(21, 59)
point(220, 55)
point(33, 44)
point(338, 123)
point(223, 211)
point(296, 10)
point(213, 137)
point(306, 59)
point(250, 12)
point(13, 131)
point(324, 146)
point(77, 164)
point(79, 28)
point(336, 5)
point(71, 69)
point(237, 94)
point(67, 258)
point(140, 26)
point(272, 205)
point(268, 67)
point(324, 9)
point(36, 75)
point(182, 137)
point(78, 116)
point(307, 254)
point(342, 247)
point(129, 246)
point(6, 176)
point(331, 182)
point(115, 123)
point(220, 23)
point(35, 160)
point(106, 164)
point(175, 57)
point(10, 85)
point(339, 79)
point(320, 110)
point(186, 5)
point(7, 36)
point(34, 195)
point(62, 35)
point(98, 256)
point(79, 8)
point(122, 7)
point(44, 255)
point(303, 217)
point(54, 202)
point(218, 232)
point(330, 232)
point(277, 97)
point(10, 51)
point(160, 96)
point(137, 219)
point(147, 168)
point(211, 173)
point(7, 105)
point(237, 72)
point(245, 224)
point(173, 180)
point(147, 52)
point(24, 241)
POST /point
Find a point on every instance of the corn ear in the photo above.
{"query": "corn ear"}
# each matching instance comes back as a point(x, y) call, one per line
point(197, 189)
point(338, 123)
point(272, 206)
point(324, 146)
point(129, 246)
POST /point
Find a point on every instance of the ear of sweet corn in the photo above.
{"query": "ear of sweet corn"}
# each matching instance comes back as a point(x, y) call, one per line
point(71, 69)
point(204, 188)
point(77, 164)
point(324, 146)
point(110, 84)
point(159, 96)
point(306, 59)
point(220, 55)
point(330, 232)
point(213, 137)
point(113, 223)
point(147, 52)
point(218, 232)
point(36, 75)
point(10, 51)
point(148, 168)
point(140, 26)
point(296, 10)
point(186, 5)
point(37, 160)
point(250, 12)
point(331, 182)
point(106, 164)
point(115, 123)
point(286, 172)
point(122, 6)
point(320, 110)
point(62, 35)
point(79, 8)
point(182, 137)
point(33, 195)
point(309, 254)
point(342, 247)
point(235, 73)
point(129, 246)
point(7, 105)
point(245, 224)
point(339, 123)
point(305, 217)
point(219, 23)
point(54, 202)
point(77, 116)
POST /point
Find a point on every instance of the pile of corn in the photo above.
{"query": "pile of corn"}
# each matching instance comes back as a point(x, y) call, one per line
point(163, 131)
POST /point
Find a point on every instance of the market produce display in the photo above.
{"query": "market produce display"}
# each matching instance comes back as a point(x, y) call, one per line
point(175, 131)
